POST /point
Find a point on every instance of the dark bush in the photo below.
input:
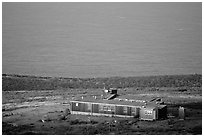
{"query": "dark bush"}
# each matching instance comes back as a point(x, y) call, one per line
point(74, 122)
point(197, 130)
point(77, 121)
point(93, 122)
point(9, 129)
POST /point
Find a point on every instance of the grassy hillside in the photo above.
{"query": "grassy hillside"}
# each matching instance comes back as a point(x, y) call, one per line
point(23, 82)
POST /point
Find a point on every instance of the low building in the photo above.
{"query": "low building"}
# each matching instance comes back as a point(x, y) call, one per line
point(95, 105)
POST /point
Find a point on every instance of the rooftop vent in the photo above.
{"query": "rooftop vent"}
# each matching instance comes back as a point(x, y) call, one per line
point(111, 91)
point(112, 96)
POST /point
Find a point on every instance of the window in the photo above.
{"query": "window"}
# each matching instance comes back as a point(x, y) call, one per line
point(109, 108)
point(100, 108)
point(105, 108)
point(112, 108)
point(148, 112)
point(125, 109)
point(133, 110)
point(77, 104)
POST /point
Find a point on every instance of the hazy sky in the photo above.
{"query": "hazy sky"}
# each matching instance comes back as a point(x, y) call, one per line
point(102, 39)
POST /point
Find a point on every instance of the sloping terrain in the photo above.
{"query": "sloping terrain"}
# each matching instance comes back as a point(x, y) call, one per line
point(46, 112)
point(21, 82)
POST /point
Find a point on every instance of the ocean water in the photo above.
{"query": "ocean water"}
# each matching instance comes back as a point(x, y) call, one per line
point(101, 39)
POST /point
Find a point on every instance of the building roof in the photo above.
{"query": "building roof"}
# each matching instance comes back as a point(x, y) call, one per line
point(136, 97)
point(117, 100)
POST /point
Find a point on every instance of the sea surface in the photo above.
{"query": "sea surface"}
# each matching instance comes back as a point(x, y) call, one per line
point(101, 39)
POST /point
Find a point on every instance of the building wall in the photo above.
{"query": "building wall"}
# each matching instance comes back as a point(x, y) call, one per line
point(95, 108)
point(117, 110)
point(106, 109)
point(135, 112)
point(97, 114)
point(129, 111)
point(148, 114)
point(162, 113)
point(79, 106)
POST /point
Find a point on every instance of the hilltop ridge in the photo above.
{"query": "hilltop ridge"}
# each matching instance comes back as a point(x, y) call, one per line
point(26, 82)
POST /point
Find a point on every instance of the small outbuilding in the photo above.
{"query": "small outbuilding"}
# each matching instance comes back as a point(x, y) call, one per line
point(181, 113)
point(150, 112)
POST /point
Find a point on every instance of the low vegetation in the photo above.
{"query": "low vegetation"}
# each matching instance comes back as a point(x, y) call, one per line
point(21, 82)
point(39, 105)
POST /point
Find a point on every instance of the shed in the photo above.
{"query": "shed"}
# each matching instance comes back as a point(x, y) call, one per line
point(181, 113)
point(148, 113)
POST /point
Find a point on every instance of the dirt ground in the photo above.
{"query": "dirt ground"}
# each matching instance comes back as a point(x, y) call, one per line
point(45, 113)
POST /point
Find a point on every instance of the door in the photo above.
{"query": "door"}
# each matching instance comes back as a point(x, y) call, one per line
point(129, 111)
